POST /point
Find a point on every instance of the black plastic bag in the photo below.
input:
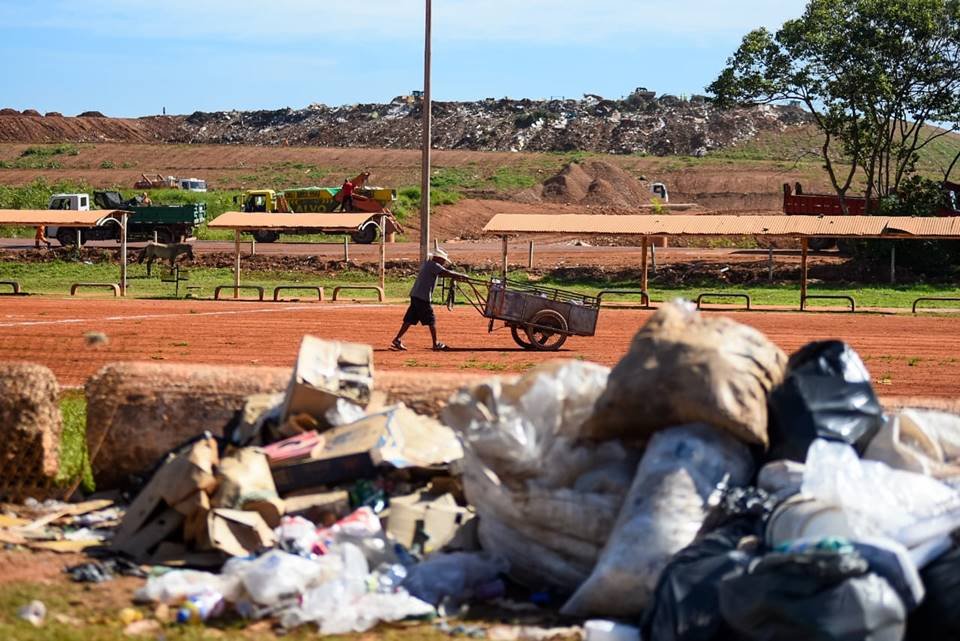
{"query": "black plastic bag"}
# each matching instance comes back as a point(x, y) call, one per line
point(815, 595)
point(686, 604)
point(826, 394)
point(938, 617)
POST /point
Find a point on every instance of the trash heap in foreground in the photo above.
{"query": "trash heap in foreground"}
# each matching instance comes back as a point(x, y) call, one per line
point(707, 487)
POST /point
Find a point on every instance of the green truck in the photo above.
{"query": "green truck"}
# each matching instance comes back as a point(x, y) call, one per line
point(166, 223)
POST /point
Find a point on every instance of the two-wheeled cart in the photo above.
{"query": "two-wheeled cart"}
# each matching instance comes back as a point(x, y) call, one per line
point(539, 318)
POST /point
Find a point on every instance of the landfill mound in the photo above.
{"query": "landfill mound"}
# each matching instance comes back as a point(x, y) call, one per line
point(639, 124)
point(594, 182)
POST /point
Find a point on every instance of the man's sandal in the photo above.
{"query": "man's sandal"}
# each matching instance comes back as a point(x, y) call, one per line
point(398, 346)
point(440, 347)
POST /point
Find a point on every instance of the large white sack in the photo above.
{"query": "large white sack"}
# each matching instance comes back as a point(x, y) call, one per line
point(661, 515)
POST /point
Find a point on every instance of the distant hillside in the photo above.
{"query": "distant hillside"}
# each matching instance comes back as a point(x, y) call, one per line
point(664, 126)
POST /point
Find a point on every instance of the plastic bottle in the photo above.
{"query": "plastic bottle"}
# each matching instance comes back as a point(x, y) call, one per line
point(201, 607)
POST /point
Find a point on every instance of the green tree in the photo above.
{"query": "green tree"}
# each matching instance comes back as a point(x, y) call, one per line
point(875, 76)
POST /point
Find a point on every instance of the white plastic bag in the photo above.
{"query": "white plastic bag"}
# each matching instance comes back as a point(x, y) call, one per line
point(177, 585)
point(546, 503)
point(277, 575)
point(662, 513)
point(880, 501)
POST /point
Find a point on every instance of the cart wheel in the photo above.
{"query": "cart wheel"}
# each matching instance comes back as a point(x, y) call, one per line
point(545, 339)
point(520, 338)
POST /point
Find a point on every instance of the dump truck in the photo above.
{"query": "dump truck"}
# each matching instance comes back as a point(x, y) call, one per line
point(798, 203)
point(168, 223)
point(372, 200)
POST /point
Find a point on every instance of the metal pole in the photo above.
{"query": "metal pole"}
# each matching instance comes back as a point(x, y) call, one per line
point(770, 264)
point(123, 254)
point(253, 246)
point(643, 259)
point(893, 264)
point(425, 114)
point(346, 249)
point(236, 264)
point(155, 236)
point(653, 257)
point(503, 267)
point(803, 272)
point(530, 256)
point(383, 250)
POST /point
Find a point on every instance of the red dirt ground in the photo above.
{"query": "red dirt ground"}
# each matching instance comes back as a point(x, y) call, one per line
point(907, 356)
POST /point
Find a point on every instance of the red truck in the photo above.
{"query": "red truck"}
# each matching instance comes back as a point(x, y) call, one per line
point(797, 203)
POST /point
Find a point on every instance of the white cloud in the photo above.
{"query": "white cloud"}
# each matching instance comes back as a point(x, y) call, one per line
point(355, 23)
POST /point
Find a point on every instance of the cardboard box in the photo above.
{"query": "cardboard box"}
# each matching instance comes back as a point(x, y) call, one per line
point(325, 371)
point(397, 437)
point(430, 521)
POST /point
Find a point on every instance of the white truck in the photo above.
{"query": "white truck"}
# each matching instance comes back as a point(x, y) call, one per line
point(168, 223)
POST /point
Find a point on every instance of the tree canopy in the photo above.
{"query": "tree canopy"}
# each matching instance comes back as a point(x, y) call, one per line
point(880, 78)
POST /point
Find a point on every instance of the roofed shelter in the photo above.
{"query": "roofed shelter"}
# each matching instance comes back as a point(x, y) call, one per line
point(801, 227)
point(71, 218)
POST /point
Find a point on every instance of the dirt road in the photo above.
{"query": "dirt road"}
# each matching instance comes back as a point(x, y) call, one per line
point(907, 356)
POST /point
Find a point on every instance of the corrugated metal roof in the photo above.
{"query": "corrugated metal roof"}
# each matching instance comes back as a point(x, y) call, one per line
point(320, 222)
point(724, 225)
point(54, 217)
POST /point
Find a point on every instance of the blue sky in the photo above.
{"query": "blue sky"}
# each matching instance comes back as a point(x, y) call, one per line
point(132, 57)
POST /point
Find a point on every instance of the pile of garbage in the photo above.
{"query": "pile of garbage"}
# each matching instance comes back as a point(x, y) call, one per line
point(707, 487)
point(667, 125)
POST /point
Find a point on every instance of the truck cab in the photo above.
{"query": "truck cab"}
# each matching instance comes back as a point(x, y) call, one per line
point(69, 202)
point(192, 184)
point(660, 191)
point(260, 201)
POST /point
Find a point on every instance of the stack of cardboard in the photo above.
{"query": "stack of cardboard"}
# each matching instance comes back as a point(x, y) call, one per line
point(199, 507)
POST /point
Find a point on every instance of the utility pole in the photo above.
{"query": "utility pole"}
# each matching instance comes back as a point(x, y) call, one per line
point(426, 108)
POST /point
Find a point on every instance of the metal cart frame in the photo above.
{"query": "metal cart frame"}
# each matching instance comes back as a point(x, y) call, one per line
point(539, 318)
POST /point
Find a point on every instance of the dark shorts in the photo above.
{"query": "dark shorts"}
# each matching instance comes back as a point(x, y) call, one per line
point(420, 311)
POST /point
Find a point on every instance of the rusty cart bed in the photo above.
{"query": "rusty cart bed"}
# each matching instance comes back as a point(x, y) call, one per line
point(540, 318)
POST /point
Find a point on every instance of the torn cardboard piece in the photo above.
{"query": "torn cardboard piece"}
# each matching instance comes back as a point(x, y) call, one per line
point(397, 437)
point(243, 477)
point(174, 484)
point(326, 371)
point(432, 521)
point(238, 533)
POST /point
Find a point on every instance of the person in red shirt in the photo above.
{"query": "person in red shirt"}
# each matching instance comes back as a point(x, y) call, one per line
point(346, 193)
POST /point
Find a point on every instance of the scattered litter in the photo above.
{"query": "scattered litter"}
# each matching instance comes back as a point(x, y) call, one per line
point(34, 612)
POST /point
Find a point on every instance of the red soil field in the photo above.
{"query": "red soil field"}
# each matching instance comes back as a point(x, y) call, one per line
point(907, 355)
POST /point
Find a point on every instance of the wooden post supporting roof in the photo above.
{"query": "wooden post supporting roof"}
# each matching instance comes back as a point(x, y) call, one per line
point(503, 266)
point(643, 260)
point(236, 264)
point(804, 246)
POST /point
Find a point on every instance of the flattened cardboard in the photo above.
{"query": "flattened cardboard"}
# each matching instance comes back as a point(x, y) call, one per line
point(238, 533)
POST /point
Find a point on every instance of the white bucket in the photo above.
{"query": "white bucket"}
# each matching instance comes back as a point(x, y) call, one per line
point(804, 517)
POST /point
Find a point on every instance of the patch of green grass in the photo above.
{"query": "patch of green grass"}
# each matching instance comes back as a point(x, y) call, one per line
point(65, 149)
point(55, 278)
point(74, 458)
point(78, 612)
point(106, 164)
point(473, 363)
point(509, 178)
